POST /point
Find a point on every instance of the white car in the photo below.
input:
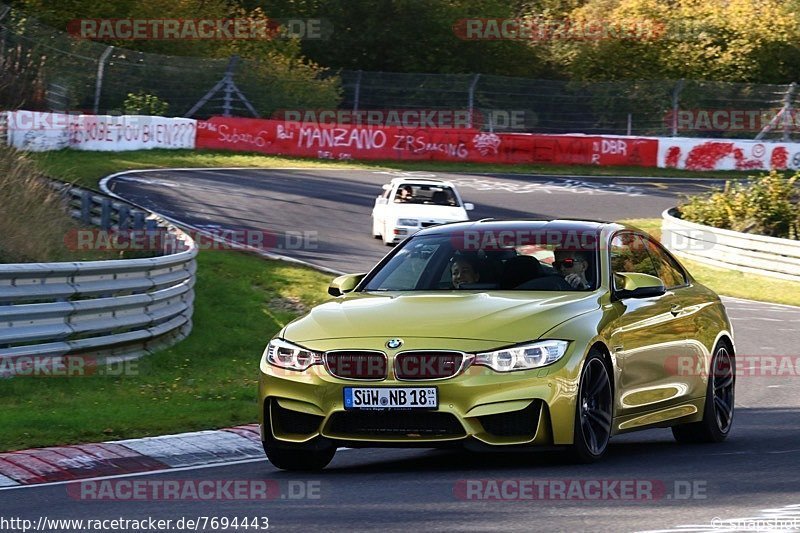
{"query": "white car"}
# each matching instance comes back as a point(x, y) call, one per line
point(409, 204)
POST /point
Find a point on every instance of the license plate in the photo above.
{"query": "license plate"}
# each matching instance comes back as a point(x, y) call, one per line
point(390, 398)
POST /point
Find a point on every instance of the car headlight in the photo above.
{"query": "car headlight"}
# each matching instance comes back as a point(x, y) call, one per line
point(523, 357)
point(286, 355)
point(407, 222)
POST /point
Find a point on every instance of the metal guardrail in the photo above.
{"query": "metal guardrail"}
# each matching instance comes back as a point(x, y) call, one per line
point(757, 254)
point(116, 309)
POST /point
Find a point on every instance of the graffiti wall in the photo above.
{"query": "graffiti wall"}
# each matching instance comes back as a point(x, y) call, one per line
point(326, 141)
point(715, 154)
point(37, 131)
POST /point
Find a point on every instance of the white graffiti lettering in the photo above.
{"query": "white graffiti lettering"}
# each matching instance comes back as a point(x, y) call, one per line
point(359, 138)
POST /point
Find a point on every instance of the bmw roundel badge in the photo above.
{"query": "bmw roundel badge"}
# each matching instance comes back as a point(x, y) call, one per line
point(393, 344)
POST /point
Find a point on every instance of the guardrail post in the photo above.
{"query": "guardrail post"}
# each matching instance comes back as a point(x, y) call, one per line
point(151, 232)
point(123, 217)
point(105, 214)
point(151, 228)
point(138, 220)
point(86, 207)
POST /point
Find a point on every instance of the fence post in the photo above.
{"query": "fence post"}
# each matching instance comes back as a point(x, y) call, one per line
point(787, 112)
point(781, 115)
point(357, 92)
point(229, 89)
point(471, 98)
point(676, 98)
point(5, 10)
point(98, 86)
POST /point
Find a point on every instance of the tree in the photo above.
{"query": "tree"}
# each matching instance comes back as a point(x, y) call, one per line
point(412, 36)
point(724, 40)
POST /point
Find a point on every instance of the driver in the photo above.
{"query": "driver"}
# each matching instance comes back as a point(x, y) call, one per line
point(463, 270)
point(572, 267)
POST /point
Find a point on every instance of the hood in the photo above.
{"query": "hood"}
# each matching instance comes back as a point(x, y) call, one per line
point(428, 212)
point(503, 316)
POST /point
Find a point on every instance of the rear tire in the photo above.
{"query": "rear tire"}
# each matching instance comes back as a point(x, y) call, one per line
point(298, 457)
point(593, 412)
point(719, 405)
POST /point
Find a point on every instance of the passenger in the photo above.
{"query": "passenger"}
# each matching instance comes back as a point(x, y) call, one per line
point(572, 266)
point(463, 270)
point(404, 194)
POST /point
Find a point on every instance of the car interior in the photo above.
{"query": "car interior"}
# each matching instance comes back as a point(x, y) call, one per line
point(429, 194)
point(507, 270)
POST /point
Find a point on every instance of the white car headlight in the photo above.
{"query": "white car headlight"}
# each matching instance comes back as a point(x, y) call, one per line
point(286, 355)
point(407, 222)
point(523, 357)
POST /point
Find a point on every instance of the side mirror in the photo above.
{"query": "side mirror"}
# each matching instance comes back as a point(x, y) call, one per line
point(386, 186)
point(468, 206)
point(344, 284)
point(380, 200)
point(635, 285)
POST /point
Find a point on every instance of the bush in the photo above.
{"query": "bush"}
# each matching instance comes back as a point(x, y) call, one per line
point(765, 205)
point(142, 103)
point(33, 220)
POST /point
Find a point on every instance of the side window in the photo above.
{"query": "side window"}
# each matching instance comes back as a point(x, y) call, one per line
point(629, 254)
point(668, 269)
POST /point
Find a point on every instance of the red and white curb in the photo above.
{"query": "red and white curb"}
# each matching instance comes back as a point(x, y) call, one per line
point(131, 456)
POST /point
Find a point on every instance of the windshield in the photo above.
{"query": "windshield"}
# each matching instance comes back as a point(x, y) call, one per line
point(448, 262)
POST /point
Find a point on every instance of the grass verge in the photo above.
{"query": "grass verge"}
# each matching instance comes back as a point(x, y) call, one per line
point(208, 380)
point(731, 282)
point(86, 168)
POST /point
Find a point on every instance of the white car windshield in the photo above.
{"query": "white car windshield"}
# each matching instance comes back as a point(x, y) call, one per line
point(413, 193)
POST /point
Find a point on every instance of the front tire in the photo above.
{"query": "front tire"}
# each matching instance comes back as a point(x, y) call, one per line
point(719, 405)
point(593, 412)
point(299, 457)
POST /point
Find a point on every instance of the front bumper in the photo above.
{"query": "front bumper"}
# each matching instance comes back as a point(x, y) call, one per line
point(532, 407)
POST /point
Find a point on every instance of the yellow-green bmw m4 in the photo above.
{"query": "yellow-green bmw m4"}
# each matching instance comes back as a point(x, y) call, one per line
point(502, 335)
